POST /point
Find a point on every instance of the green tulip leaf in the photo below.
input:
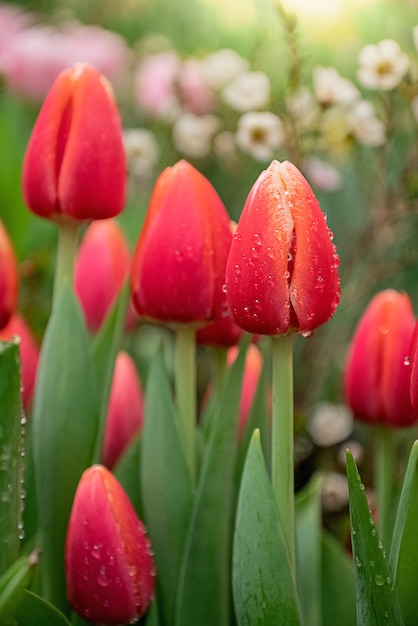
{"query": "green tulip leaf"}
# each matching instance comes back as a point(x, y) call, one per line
point(377, 602)
point(33, 610)
point(203, 595)
point(166, 485)
point(338, 587)
point(263, 586)
point(403, 558)
point(65, 421)
point(309, 550)
point(11, 449)
point(13, 583)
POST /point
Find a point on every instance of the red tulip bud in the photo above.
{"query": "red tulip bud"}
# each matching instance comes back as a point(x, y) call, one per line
point(108, 562)
point(377, 374)
point(126, 410)
point(74, 165)
point(252, 372)
point(29, 354)
point(9, 278)
point(101, 267)
point(282, 270)
point(179, 264)
point(413, 362)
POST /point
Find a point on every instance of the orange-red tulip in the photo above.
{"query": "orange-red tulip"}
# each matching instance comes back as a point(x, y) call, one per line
point(282, 270)
point(377, 375)
point(9, 278)
point(101, 267)
point(29, 354)
point(74, 165)
point(179, 264)
point(108, 560)
point(125, 414)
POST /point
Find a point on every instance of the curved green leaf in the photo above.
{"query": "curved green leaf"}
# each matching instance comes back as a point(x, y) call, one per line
point(264, 591)
point(403, 558)
point(33, 610)
point(377, 602)
point(65, 420)
point(13, 583)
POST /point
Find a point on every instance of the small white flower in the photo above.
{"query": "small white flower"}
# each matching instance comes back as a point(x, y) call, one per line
point(222, 66)
point(249, 91)
point(330, 424)
point(142, 151)
point(332, 88)
point(365, 126)
point(259, 134)
point(192, 134)
point(303, 107)
point(382, 66)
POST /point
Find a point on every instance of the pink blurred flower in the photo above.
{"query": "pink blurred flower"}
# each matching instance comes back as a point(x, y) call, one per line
point(30, 68)
point(252, 371)
point(194, 90)
point(154, 84)
point(101, 267)
point(12, 21)
point(29, 354)
point(126, 410)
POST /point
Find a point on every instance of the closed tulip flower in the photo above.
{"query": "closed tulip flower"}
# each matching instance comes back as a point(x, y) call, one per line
point(377, 375)
point(9, 278)
point(413, 361)
point(282, 270)
point(108, 561)
point(126, 409)
point(101, 267)
point(179, 264)
point(74, 166)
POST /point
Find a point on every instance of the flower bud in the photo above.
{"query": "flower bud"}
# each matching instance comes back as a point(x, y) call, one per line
point(101, 267)
point(29, 354)
point(125, 414)
point(74, 165)
point(108, 562)
point(377, 373)
point(413, 363)
point(282, 270)
point(9, 278)
point(179, 264)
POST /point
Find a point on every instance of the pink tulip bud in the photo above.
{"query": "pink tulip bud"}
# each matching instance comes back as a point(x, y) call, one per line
point(282, 270)
point(377, 374)
point(101, 267)
point(29, 354)
point(126, 410)
point(108, 560)
point(9, 278)
point(252, 372)
point(179, 264)
point(74, 165)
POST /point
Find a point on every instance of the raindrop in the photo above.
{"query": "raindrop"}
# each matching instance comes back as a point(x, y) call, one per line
point(306, 333)
point(362, 487)
point(406, 360)
point(358, 562)
point(379, 580)
point(102, 579)
point(384, 329)
point(95, 551)
point(289, 256)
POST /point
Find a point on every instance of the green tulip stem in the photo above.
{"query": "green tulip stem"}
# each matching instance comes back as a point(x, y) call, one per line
point(282, 440)
point(185, 388)
point(66, 252)
point(384, 476)
point(220, 368)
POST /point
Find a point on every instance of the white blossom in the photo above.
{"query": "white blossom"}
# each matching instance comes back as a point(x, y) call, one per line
point(332, 88)
point(364, 124)
point(259, 134)
point(142, 151)
point(303, 107)
point(382, 66)
point(222, 67)
point(192, 134)
point(249, 91)
point(330, 424)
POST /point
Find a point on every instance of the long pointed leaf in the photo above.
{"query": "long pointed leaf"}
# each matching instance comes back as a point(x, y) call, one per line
point(377, 603)
point(34, 611)
point(404, 549)
point(204, 594)
point(264, 592)
point(65, 419)
point(11, 462)
point(13, 583)
point(166, 485)
point(338, 589)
